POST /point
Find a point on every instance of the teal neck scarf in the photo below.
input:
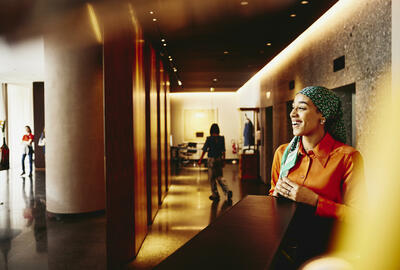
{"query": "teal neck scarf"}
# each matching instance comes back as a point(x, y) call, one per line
point(330, 105)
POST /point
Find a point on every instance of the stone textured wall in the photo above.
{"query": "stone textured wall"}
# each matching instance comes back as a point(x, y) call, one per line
point(359, 30)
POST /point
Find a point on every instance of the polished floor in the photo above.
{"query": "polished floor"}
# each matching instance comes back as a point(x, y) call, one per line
point(30, 238)
point(187, 210)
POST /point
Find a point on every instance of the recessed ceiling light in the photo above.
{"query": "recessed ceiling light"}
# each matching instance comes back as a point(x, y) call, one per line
point(293, 15)
point(179, 83)
point(163, 40)
point(152, 12)
point(212, 89)
point(170, 59)
point(164, 44)
point(215, 80)
point(226, 52)
point(244, 3)
point(154, 19)
point(304, 2)
point(269, 44)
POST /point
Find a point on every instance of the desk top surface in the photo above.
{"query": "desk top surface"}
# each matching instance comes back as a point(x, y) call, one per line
point(245, 237)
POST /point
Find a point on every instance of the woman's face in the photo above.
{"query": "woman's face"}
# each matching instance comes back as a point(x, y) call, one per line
point(306, 119)
point(27, 129)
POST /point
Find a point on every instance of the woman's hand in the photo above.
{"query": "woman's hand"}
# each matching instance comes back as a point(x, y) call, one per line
point(295, 192)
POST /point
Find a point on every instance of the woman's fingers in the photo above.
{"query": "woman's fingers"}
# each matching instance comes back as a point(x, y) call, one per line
point(282, 188)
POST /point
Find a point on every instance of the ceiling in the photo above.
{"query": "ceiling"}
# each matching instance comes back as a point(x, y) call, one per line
point(218, 44)
point(221, 44)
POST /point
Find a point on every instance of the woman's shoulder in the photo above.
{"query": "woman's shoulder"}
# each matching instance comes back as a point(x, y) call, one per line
point(345, 149)
point(282, 148)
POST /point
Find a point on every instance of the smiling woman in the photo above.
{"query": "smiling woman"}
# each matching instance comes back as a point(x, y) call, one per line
point(316, 167)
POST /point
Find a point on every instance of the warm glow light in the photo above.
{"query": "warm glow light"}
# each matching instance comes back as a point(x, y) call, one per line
point(212, 89)
point(244, 3)
point(179, 83)
point(327, 263)
point(269, 44)
point(226, 52)
point(268, 94)
point(151, 12)
point(163, 40)
point(170, 59)
point(215, 80)
point(201, 94)
point(199, 115)
point(94, 22)
point(188, 228)
point(304, 2)
point(154, 19)
point(165, 44)
point(175, 69)
point(293, 15)
point(333, 16)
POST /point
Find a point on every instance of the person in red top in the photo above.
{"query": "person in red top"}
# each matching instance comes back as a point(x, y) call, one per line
point(27, 141)
point(317, 168)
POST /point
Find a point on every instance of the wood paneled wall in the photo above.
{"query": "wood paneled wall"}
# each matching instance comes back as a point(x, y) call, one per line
point(38, 121)
point(139, 137)
point(118, 109)
point(167, 133)
point(125, 140)
point(161, 131)
point(137, 128)
point(151, 132)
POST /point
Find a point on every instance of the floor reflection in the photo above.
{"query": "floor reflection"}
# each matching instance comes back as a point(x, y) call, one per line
point(23, 236)
point(31, 238)
point(187, 210)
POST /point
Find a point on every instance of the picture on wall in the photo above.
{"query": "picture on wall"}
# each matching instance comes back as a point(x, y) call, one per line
point(198, 122)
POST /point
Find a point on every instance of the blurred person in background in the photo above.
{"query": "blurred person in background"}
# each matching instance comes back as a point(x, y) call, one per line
point(27, 140)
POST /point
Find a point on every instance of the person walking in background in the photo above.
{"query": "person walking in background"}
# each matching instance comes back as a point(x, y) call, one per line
point(215, 147)
point(27, 140)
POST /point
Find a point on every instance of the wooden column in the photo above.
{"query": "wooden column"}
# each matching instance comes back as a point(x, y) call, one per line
point(161, 131)
point(167, 134)
point(124, 103)
point(139, 136)
point(38, 121)
point(151, 133)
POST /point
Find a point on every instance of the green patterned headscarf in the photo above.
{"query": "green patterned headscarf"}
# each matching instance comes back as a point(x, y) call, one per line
point(330, 105)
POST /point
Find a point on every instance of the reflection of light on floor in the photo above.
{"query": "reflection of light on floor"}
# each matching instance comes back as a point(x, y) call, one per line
point(188, 228)
point(328, 263)
point(185, 211)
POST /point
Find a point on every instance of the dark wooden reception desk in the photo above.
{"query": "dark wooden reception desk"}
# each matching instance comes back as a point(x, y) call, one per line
point(245, 237)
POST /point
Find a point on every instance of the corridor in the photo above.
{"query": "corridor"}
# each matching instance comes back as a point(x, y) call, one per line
point(187, 210)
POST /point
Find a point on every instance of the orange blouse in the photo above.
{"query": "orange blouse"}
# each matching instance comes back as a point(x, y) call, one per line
point(332, 169)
